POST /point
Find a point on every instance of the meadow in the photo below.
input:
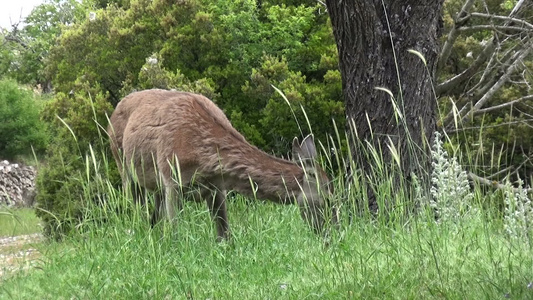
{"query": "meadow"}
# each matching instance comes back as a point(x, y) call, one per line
point(18, 221)
point(272, 254)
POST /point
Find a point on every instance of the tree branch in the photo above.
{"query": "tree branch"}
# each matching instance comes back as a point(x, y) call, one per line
point(510, 70)
point(453, 34)
point(517, 7)
point(12, 37)
point(491, 65)
point(500, 82)
point(508, 19)
point(454, 130)
point(461, 78)
point(493, 183)
point(456, 80)
point(460, 20)
point(488, 79)
point(504, 105)
point(500, 28)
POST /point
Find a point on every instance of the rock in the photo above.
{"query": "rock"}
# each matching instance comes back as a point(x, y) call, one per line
point(17, 184)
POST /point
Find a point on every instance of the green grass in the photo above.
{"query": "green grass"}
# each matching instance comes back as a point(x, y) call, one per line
point(17, 221)
point(273, 255)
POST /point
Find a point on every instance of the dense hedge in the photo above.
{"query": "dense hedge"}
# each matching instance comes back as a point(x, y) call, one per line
point(20, 125)
point(74, 164)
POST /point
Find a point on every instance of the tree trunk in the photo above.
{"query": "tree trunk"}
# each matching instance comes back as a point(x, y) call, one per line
point(373, 39)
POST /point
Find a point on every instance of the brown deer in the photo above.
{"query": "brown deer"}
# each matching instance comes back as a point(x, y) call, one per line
point(184, 142)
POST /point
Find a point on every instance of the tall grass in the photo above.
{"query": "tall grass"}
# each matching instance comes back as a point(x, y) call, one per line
point(273, 255)
point(115, 253)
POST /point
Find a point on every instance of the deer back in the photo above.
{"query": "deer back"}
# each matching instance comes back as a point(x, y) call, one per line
point(152, 128)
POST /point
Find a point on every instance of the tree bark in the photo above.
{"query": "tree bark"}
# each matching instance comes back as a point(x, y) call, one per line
point(373, 39)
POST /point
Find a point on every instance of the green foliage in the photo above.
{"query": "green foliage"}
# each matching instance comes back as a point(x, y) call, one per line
point(95, 52)
point(219, 49)
point(283, 115)
point(153, 75)
point(6, 54)
point(24, 51)
point(76, 122)
point(20, 128)
point(501, 138)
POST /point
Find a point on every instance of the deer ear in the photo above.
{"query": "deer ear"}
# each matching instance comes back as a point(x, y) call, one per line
point(306, 150)
point(295, 148)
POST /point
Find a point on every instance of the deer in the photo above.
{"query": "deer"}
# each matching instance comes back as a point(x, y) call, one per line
point(173, 142)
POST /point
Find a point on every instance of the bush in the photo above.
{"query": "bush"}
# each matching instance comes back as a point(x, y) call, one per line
point(20, 128)
point(65, 182)
point(305, 104)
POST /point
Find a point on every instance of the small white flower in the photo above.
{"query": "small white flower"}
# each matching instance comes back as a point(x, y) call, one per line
point(518, 211)
point(152, 60)
point(450, 190)
point(469, 55)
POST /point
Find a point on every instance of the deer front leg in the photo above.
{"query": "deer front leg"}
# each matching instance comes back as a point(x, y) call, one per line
point(166, 204)
point(216, 202)
point(137, 191)
point(172, 202)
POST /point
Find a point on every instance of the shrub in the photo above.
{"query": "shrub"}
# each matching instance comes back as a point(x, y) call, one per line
point(77, 122)
point(20, 128)
point(153, 76)
point(303, 106)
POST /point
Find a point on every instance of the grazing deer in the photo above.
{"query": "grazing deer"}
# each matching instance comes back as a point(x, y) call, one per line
point(181, 141)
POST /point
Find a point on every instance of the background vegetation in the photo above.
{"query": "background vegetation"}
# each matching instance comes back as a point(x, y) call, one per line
point(484, 85)
point(19, 221)
point(21, 128)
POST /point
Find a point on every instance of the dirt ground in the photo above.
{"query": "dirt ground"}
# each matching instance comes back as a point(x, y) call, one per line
point(18, 253)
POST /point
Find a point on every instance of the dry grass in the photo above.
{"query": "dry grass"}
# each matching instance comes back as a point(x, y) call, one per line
point(18, 253)
point(18, 239)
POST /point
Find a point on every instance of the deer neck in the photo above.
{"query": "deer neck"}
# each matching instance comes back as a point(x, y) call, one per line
point(255, 173)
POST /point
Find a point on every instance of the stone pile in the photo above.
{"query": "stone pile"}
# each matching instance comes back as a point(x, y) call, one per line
point(17, 184)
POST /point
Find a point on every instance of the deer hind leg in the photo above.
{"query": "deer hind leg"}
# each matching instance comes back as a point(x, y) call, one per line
point(158, 209)
point(216, 202)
